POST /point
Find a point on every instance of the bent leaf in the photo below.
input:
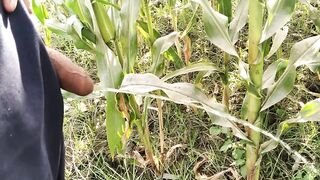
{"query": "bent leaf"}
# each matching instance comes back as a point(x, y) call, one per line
point(181, 93)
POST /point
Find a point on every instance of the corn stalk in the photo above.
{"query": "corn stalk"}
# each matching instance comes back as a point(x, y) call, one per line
point(256, 62)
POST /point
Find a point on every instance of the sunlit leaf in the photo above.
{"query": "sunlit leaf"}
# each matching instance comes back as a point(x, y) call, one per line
point(39, 10)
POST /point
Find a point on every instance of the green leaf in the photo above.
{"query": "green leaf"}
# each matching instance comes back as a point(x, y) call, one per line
point(159, 47)
point(279, 13)
point(191, 22)
point(225, 7)
point(238, 153)
point(128, 35)
point(105, 25)
point(311, 111)
point(216, 27)
point(270, 73)
point(239, 21)
point(115, 125)
point(199, 67)
point(171, 54)
point(278, 40)
point(227, 145)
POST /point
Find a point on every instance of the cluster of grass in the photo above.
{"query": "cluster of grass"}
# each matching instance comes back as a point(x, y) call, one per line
point(87, 155)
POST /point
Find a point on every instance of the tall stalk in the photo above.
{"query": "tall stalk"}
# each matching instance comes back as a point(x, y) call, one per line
point(256, 60)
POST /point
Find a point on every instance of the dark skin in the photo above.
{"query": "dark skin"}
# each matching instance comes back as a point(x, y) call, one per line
point(72, 77)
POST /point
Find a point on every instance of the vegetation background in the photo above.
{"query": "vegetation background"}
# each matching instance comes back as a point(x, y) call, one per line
point(87, 156)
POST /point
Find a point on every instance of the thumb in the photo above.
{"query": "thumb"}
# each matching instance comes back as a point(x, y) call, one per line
point(9, 5)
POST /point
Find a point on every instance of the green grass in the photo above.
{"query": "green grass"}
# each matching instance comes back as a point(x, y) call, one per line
point(87, 155)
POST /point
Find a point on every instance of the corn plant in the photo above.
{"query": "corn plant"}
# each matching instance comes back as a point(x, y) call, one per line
point(109, 28)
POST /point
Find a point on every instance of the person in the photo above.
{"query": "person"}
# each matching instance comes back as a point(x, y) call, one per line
point(31, 105)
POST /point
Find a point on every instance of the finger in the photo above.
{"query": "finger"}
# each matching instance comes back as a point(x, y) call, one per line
point(72, 77)
point(9, 5)
point(28, 6)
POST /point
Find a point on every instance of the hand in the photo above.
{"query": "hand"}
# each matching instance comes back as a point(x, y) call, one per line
point(72, 77)
point(10, 5)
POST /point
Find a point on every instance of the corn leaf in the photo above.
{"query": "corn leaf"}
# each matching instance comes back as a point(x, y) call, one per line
point(128, 36)
point(279, 13)
point(159, 47)
point(181, 93)
point(239, 21)
point(171, 54)
point(277, 40)
point(306, 52)
point(199, 67)
point(303, 53)
point(281, 88)
point(216, 27)
point(269, 75)
point(78, 7)
point(225, 7)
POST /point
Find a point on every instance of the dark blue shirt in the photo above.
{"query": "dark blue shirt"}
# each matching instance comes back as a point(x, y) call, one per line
point(31, 106)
